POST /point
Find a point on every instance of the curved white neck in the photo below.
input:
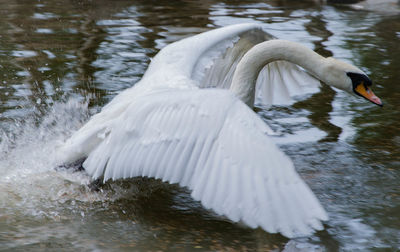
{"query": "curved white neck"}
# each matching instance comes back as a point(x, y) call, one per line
point(246, 73)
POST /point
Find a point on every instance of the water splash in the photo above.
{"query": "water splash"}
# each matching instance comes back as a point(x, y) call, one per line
point(29, 185)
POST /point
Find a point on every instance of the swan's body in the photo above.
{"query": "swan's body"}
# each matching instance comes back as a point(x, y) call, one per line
point(208, 139)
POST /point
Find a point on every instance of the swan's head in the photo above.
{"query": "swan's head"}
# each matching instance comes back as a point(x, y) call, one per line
point(349, 78)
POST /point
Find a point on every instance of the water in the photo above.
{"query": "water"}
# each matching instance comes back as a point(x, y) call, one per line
point(62, 61)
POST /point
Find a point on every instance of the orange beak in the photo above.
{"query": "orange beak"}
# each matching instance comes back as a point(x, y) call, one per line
point(367, 93)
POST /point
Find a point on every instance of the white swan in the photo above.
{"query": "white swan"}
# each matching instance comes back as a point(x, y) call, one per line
point(207, 139)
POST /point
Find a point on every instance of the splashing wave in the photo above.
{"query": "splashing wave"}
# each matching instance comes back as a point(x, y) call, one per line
point(29, 185)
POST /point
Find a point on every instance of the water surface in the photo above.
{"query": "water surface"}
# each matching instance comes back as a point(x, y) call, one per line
point(62, 61)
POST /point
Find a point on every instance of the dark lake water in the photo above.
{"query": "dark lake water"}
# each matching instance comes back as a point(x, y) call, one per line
point(61, 61)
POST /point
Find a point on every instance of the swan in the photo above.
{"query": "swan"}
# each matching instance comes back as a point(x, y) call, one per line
point(189, 120)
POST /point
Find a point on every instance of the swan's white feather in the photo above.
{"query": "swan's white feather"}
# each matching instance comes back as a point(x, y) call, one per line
point(214, 66)
point(279, 81)
point(209, 60)
point(166, 127)
point(212, 143)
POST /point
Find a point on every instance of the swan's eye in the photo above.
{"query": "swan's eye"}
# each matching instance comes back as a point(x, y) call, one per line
point(359, 79)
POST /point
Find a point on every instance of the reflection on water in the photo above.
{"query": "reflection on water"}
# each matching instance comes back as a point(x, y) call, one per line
point(60, 62)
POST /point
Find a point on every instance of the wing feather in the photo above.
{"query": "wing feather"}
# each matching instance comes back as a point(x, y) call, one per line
point(212, 143)
point(209, 60)
point(280, 81)
point(277, 83)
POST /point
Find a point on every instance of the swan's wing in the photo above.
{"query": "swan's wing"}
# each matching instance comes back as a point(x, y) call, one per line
point(212, 143)
point(210, 59)
point(279, 81)
point(216, 66)
point(90, 135)
point(191, 56)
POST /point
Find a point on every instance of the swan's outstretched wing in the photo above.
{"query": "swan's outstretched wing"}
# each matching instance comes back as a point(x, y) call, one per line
point(210, 59)
point(212, 143)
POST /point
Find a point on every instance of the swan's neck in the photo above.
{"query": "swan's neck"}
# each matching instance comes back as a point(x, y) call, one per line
point(246, 73)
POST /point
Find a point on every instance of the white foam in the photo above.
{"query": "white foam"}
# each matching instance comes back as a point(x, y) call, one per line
point(29, 184)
